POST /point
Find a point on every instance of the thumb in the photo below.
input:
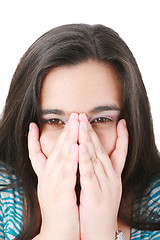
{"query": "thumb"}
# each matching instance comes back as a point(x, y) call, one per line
point(38, 160)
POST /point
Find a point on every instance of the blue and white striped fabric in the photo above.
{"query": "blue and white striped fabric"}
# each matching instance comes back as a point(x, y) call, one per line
point(11, 211)
point(149, 208)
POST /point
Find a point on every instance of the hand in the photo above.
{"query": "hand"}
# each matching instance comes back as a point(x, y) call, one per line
point(100, 178)
point(56, 182)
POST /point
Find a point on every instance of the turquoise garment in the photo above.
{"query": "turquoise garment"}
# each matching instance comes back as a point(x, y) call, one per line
point(11, 211)
point(149, 210)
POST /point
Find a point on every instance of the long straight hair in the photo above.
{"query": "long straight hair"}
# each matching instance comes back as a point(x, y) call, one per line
point(71, 45)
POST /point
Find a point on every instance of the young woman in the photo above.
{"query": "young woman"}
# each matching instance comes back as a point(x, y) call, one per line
point(77, 149)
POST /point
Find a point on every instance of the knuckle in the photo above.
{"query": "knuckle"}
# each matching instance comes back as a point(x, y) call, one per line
point(89, 174)
point(94, 159)
point(100, 150)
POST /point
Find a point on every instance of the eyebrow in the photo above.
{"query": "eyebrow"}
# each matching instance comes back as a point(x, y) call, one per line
point(52, 111)
point(92, 111)
point(105, 108)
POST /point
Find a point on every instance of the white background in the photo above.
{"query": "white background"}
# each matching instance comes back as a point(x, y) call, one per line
point(137, 22)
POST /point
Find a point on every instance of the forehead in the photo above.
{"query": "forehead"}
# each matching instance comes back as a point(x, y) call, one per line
point(81, 87)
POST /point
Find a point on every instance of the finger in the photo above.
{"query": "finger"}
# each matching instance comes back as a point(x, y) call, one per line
point(118, 156)
point(67, 131)
point(99, 169)
point(88, 178)
point(72, 127)
point(84, 138)
point(97, 147)
point(61, 152)
point(38, 160)
point(67, 176)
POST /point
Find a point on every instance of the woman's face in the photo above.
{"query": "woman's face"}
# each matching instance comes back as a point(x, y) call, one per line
point(90, 87)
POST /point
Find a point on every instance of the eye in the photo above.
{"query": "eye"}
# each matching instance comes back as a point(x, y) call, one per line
point(54, 121)
point(101, 120)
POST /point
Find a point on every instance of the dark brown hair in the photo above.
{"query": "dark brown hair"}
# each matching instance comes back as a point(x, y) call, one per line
point(71, 45)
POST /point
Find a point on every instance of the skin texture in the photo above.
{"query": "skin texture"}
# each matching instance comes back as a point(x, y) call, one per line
point(80, 109)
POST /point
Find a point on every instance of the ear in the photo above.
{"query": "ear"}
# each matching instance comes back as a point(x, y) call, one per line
point(118, 156)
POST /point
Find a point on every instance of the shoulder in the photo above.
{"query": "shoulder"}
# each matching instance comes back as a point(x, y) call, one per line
point(11, 208)
point(149, 205)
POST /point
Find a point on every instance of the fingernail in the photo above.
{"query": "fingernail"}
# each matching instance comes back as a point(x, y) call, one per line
point(72, 116)
point(30, 127)
point(84, 117)
point(124, 122)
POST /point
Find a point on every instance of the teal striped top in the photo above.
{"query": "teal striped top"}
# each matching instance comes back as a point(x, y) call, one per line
point(11, 211)
point(148, 209)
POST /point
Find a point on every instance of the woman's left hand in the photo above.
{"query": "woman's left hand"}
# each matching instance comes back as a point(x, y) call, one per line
point(100, 178)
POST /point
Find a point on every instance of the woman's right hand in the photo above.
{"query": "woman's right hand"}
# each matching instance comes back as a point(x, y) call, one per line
point(56, 182)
